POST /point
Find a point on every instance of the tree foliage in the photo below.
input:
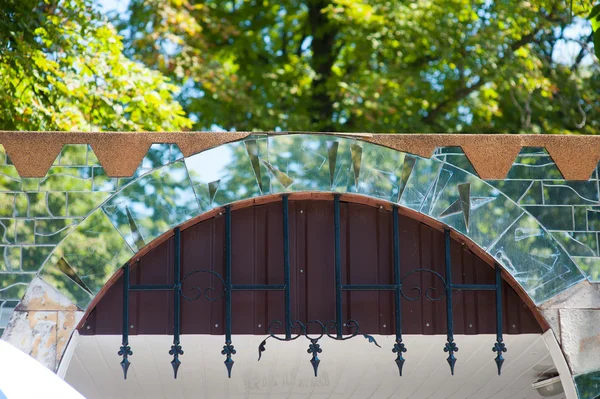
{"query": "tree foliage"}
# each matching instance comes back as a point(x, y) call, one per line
point(62, 68)
point(373, 65)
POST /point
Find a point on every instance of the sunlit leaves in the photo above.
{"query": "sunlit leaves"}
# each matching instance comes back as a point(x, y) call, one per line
point(62, 68)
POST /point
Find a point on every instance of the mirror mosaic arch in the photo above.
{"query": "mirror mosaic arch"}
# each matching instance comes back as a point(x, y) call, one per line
point(76, 226)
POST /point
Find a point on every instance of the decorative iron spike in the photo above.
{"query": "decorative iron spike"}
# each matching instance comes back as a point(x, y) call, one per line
point(499, 347)
point(175, 351)
point(228, 351)
point(175, 363)
point(451, 348)
point(125, 351)
point(314, 348)
point(261, 348)
point(125, 366)
point(399, 349)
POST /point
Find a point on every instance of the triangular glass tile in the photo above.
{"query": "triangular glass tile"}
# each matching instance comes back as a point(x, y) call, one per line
point(281, 177)
point(213, 187)
point(135, 232)
point(332, 150)
point(252, 150)
point(356, 152)
point(407, 168)
point(68, 271)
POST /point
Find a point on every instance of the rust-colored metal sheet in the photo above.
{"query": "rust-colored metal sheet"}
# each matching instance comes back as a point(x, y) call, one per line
point(257, 258)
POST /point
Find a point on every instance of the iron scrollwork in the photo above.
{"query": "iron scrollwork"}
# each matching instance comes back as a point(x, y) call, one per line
point(314, 348)
point(294, 329)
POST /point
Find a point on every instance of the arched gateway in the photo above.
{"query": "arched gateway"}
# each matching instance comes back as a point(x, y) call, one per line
point(529, 229)
point(296, 268)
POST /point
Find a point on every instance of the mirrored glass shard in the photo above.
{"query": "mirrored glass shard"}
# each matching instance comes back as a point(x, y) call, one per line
point(57, 203)
point(381, 172)
point(570, 193)
point(513, 189)
point(67, 178)
point(64, 284)
point(73, 155)
point(136, 235)
point(30, 184)
point(332, 152)
point(213, 187)
point(7, 202)
point(553, 217)
point(158, 155)
point(577, 244)
point(52, 231)
point(9, 178)
point(68, 271)
point(94, 250)
point(82, 204)
point(356, 151)
point(157, 202)
point(11, 259)
point(13, 285)
point(407, 168)
point(8, 230)
point(421, 181)
point(590, 266)
point(535, 259)
point(252, 150)
point(232, 166)
point(25, 231)
point(33, 257)
point(531, 166)
point(309, 162)
point(281, 177)
point(101, 182)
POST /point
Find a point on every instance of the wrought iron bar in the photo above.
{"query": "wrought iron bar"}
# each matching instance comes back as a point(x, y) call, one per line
point(125, 349)
point(338, 265)
point(165, 287)
point(258, 287)
point(450, 346)
point(286, 267)
point(499, 346)
point(399, 347)
point(474, 287)
point(369, 287)
point(176, 350)
point(228, 349)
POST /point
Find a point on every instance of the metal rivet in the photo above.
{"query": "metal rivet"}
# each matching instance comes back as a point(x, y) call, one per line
point(344, 324)
point(131, 326)
point(260, 325)
point(301, 270)
point(301, 211)
point(380, 206)
point(220, 213)
point(427, 324)
point(470, 325)
point(216, 325)
point(514, 326)
point(87, 327)
point(384, 326)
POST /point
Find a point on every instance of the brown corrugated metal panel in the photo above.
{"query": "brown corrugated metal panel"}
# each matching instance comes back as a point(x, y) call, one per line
point(257, 258)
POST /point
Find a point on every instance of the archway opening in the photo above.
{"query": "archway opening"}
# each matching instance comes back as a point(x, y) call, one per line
point(366, 257)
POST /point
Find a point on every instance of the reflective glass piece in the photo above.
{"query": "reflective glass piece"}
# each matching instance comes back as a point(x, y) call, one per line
point(536, 261)
point(588, 385)
point(153, 204)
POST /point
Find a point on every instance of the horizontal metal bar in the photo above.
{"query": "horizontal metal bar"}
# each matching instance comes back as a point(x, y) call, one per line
point(474, 287)
point(258, 287)
point(368, 287)
point(151, 287)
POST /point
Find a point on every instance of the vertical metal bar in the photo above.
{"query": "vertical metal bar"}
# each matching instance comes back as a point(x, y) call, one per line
point(499, 346)
point(338, 266)
point(286, 267)
point(399, 347)
point(228, 349)
point(125, 349)
point(450, 345)
point(176, 347)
